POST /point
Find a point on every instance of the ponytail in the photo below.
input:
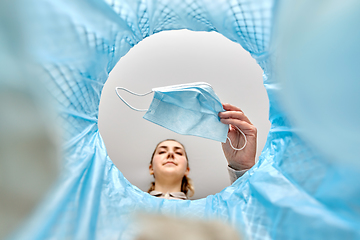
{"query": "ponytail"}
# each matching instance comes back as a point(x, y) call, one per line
point(152, 187)
point(187, 186)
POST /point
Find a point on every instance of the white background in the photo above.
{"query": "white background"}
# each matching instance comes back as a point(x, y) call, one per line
point(178, 57)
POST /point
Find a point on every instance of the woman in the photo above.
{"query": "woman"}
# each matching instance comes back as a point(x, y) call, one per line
point(170, 167)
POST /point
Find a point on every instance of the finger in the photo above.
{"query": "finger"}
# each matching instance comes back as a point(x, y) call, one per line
point(234, 115)
point(229, 107)
point(247, 128)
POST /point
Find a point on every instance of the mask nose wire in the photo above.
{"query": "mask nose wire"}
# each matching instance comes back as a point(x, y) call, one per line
point(136, 94)
point(238, 149)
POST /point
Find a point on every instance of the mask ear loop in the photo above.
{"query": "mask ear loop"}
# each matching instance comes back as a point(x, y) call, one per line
point(238, 149)
point(136, 94)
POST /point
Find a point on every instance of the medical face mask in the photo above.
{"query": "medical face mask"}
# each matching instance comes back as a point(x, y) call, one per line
point(188, 109)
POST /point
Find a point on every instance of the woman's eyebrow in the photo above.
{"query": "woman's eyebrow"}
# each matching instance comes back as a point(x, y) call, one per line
point(176, 148)
point(163, 147)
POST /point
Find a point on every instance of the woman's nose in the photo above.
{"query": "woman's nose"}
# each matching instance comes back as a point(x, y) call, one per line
point(170, 155)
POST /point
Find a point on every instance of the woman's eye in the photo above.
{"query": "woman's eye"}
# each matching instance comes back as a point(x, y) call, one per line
point(179, 153)
point(161, 152)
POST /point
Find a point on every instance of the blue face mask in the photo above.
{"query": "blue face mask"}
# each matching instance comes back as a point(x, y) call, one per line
point(188, 109)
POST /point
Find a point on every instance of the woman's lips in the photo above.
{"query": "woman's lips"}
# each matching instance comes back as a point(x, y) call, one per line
point(173, 163)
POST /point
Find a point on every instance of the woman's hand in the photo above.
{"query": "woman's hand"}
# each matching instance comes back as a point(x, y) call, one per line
point(245, 158)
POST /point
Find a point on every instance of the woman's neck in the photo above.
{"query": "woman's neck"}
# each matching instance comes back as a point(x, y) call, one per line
point(165, 187)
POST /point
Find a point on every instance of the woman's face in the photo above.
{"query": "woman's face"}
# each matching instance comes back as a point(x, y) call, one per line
point(169, 160)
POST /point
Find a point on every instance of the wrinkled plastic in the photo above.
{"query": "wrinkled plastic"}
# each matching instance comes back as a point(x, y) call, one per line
point(292, 192)
point(318, 67)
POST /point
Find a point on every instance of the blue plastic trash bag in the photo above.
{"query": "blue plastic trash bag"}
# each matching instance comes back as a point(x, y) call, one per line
point(293, 192)
point(318, 66)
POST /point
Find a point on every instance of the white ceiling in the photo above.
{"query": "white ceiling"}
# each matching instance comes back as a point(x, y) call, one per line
point(177, 57)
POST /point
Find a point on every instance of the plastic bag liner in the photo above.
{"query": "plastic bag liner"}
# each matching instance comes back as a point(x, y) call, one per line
point(291, 193)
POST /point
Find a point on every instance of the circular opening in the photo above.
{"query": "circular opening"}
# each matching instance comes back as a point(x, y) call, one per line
point(177, 57)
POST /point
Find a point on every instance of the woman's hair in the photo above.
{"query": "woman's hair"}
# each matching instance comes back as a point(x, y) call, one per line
point(186, 183)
